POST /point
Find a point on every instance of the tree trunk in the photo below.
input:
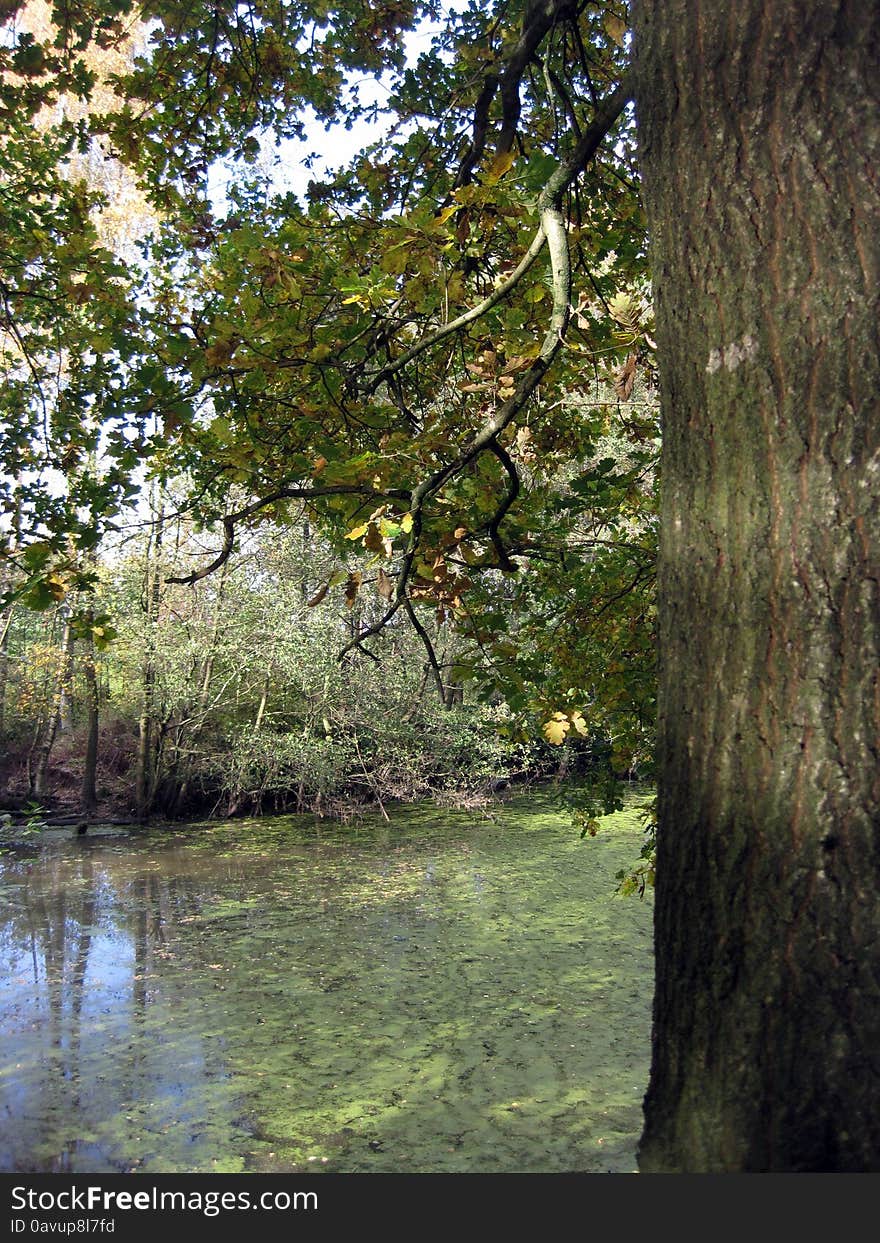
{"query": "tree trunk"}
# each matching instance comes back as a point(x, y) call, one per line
point(39, 781)
point(146, 771)
point(5, 624)
point(264, 700)
point(760, 143)
point(200, 715)
point(89, 791)
point(6, 581)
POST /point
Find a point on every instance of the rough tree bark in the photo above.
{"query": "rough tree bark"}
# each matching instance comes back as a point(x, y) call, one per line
point(760, 131)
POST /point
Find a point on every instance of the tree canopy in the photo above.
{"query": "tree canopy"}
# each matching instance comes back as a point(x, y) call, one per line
point(441, 352)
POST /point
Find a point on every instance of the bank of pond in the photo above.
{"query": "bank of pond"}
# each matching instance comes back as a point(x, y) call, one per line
point(442, 992)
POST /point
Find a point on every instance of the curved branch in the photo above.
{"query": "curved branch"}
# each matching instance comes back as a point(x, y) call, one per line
point(590, 140)
point(429, 648)
point(281, 494)
point(222, 557)
point(481, 125)
point(553, 229)
point(540, 18)
point(467, 317)
point(512, 493)
point(562, 176)
point(376, 628)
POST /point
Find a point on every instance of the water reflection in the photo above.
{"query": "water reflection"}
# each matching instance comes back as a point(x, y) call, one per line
point(96, 1044)
point(253, 998)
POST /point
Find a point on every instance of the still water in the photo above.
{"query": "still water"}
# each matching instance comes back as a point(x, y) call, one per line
point(441, 993)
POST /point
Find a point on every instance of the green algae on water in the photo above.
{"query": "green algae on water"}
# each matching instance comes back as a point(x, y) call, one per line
point(438, 993)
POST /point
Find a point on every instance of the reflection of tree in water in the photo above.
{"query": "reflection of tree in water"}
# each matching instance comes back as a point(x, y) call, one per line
point(55, 914)
point(84, 942)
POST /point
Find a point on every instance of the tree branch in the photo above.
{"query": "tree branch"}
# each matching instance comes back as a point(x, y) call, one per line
point(512, 493)
point(498, 294)
point(281, 494)
point(429, 648)
point(551, 196)
point(552, 230)
point(376, 628)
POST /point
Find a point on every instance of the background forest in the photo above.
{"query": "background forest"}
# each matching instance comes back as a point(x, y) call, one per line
point(143, 696)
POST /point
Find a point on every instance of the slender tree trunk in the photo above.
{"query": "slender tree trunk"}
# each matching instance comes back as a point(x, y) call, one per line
point(305, 588)
point(207, 673)
point(89, 791)
point(6, 580)
point(145, 773)
point(261, 709)
point(760, 144)
point(60, 693)
point(5, 625)
point(65, 702)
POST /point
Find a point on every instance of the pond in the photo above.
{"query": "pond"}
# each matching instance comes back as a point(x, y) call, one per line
point(441, 993)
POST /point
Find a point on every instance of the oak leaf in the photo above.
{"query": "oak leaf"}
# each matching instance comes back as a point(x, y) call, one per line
point(556, 728)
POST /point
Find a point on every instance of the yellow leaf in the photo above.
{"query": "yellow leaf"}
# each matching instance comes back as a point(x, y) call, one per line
point(556, 728)
point(57, 586)
point(579, 723)
point(626, 310)
point(448, 213)
point(358, 532)
point(406, 523)
point(499, 166)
